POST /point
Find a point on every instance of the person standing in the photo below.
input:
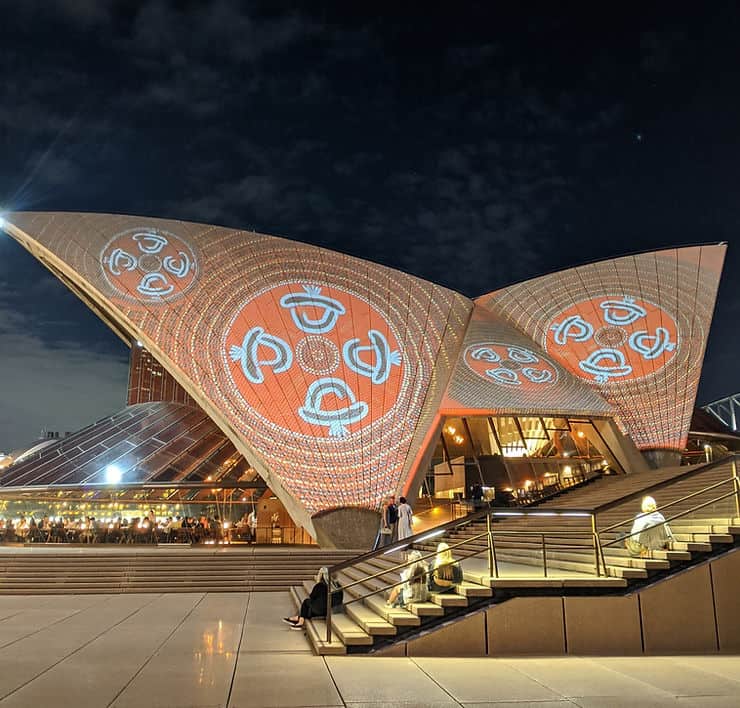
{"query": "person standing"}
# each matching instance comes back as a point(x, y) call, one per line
point(405, 519)
point(391, 518)
point(252, 521)
point(384, 533)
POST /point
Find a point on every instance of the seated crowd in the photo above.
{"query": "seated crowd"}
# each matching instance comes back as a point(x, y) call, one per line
point(147, 529)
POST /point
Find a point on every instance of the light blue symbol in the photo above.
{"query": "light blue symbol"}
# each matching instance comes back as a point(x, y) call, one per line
point(335, 420)
point(538, 376)
point(604, 364)
point(485, 354)
point(178, 266)
point(622, 312)
point(573, 327)
point(312, 297)
point(120, 259)
point(150, 243)
point(382, 355)
point(522, 356)
point(155, 285)
point(507, 377)
point(651, 347)
point(247, 354)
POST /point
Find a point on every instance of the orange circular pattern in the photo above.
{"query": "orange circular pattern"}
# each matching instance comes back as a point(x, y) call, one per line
point(613, 339)
point(314, 360)
point(510, 365)
point(148, 265)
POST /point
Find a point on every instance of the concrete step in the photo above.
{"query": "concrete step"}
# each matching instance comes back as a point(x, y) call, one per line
point(448, 599)
point(705, 537)
point(369, 620)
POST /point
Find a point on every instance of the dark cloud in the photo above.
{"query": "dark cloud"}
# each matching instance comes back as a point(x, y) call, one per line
point(61, 387)
point(472, 146)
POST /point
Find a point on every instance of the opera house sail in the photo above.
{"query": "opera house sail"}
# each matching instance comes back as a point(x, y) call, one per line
point(333, 376)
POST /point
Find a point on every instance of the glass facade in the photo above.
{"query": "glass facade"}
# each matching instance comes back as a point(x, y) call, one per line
point(153, 443)
point(520, 455)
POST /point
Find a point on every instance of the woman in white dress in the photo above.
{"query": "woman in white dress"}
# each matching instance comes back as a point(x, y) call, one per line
point(405, 516)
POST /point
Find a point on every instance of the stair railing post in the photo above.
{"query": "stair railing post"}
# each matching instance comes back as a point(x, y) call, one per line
point(544, 555)
point(492, 564)
point(597, 544)
point(328, 608)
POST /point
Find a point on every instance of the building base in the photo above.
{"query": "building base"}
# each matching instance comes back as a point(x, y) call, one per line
point(347, 527)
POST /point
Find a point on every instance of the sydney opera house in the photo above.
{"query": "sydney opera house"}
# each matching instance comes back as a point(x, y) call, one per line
point(335, 381)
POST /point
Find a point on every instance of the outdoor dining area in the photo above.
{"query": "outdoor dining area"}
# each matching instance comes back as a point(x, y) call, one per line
point(148, 529)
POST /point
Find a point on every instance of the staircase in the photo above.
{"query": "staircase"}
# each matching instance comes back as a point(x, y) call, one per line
point(564, 526)
point(51, 571)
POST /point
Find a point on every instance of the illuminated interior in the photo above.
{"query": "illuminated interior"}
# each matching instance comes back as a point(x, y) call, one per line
point(518, 454)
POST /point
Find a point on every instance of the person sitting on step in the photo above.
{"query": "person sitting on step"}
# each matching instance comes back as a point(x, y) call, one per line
point(315, 604)
point(414, 587)
point(447, 572)
point(649, 532)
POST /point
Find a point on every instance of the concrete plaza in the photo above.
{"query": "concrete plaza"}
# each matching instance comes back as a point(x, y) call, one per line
point(200, 649)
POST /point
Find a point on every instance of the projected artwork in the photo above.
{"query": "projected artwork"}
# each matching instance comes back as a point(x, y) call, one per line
point(633, 328)
point(330, 373)
point(510, 365)
point(148, 265)
point(331, 359)
point(613, 339)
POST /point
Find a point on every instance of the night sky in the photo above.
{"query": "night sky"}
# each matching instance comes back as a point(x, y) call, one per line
point(462, 142)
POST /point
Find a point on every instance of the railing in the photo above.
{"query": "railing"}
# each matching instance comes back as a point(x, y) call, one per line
point(471, 546)
point(492, 537)
point(734, 480)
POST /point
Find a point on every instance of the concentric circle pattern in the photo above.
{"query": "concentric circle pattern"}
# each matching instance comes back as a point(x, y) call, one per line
point(510, 366)
point(613, 339)
point(148, 265)
point(331, 359)
point(633, 328)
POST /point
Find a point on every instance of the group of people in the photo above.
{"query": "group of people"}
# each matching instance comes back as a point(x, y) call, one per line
point(417, 581)
point(396, 521)
point(146, 529)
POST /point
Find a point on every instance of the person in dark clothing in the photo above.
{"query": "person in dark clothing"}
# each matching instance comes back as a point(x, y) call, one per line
point(315, 604)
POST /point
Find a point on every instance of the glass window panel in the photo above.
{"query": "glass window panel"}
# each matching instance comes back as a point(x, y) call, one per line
point(511, 441)
point(456, 437)
point(482, 436)
point(532, 429)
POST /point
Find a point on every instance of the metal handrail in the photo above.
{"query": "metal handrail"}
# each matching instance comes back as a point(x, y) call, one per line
point(733, 493)
point(463, 521)
point(490, 549)
point(666, 482)
point(669, 504)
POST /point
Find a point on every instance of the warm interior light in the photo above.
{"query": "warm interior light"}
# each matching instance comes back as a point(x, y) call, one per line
point(581, 434)
point(451, 430)
point(459, 439)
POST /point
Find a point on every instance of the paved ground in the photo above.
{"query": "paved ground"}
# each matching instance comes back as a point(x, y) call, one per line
point(198, 650)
